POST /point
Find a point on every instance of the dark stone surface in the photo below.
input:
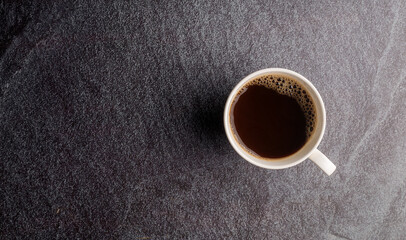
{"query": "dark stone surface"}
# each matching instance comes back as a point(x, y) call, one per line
point(111, 120)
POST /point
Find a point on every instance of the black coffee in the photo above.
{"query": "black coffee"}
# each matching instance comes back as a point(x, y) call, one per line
point(272, 116)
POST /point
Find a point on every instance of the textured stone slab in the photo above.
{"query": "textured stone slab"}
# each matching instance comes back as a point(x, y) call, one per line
point(111, 120)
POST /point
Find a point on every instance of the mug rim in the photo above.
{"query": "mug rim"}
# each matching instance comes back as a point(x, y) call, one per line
point(288, 161)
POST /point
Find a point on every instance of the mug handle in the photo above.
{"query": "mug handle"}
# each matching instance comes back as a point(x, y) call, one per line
point(323, 162)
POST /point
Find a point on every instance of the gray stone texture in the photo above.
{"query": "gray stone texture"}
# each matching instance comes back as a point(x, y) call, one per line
point(111, 119)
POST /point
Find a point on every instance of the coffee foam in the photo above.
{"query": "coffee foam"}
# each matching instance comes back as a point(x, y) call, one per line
point(287, 86)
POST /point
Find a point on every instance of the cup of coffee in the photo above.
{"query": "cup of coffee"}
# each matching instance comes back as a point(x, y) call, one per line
point(275, 118)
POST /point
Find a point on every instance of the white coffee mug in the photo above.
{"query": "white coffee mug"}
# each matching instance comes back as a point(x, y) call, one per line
point(309, 150)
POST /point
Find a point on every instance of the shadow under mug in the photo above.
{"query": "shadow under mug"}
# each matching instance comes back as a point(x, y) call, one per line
point(309, 150)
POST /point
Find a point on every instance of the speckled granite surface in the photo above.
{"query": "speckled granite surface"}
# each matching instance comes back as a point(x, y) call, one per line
point(111, 120)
